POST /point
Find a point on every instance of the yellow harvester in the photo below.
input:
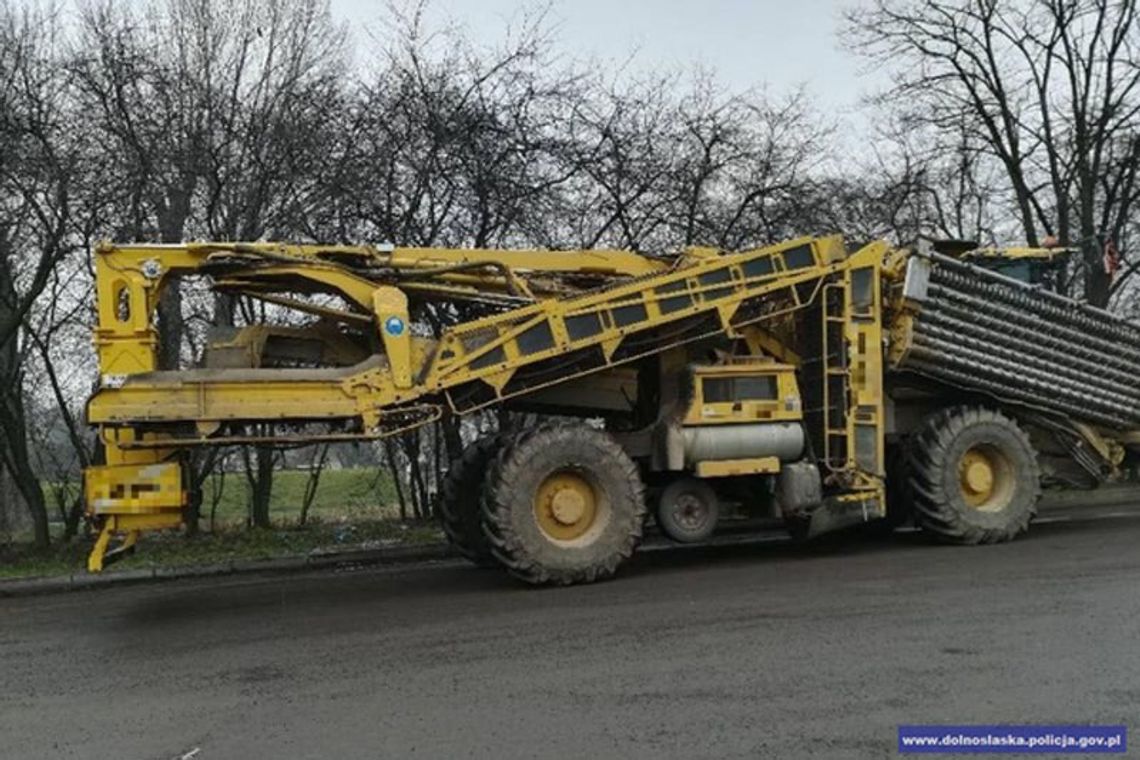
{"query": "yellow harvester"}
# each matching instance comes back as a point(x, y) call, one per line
point(826, 385)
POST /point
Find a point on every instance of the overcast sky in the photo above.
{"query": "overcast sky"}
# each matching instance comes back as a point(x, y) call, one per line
point(778, 43)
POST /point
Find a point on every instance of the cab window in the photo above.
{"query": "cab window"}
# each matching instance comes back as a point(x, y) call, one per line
point(719, 390)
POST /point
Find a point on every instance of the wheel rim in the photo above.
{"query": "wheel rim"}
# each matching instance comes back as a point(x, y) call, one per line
point(985, 478)
point(690, 512)
point(565, 506)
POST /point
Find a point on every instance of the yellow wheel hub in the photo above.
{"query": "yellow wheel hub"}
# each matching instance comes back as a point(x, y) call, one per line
point(565, 506)
point(985, 478)
point(568, 506)
point(979, 476)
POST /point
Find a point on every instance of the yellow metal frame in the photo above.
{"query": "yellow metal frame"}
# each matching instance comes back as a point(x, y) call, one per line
point(491, 350)
point(726, 468)
point(701, 295)
point(863, 331)
point(859, 295)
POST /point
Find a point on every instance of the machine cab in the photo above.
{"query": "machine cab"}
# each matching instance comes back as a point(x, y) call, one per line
point(745, 389)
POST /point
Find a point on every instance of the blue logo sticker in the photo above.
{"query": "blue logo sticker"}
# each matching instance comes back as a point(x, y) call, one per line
point(394, 326)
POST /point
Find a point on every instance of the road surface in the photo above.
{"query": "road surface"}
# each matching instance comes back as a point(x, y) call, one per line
point(739, 652)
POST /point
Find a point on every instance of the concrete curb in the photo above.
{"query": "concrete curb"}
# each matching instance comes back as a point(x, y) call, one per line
point(357, 557)
point(278, 565)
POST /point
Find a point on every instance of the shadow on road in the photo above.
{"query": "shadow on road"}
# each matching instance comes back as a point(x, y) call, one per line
point(453, 582)
point(402, 591)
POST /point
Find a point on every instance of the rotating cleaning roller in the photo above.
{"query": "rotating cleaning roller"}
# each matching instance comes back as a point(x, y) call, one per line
point(981, 331)
point(711, 443)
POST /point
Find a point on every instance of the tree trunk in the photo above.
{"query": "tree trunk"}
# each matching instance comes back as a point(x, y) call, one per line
point(260, 476)
point(74, 516)
point(390, 453)
point(172, 221)
point(192, 515)
point(1097, 281)
point(201, 464)
point(14, 454)
point(14, 519)
point(170, 327)
point(316, 468)
point(20, 469)
point(452, 440)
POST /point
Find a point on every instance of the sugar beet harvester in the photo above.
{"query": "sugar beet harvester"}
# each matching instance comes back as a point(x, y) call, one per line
point(802, 380)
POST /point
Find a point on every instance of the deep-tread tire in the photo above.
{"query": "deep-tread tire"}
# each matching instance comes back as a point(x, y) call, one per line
point(460, 513)
point(672, 525)
point(935, 452)
point(509, 521)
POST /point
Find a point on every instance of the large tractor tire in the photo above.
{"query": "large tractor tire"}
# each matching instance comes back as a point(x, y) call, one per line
point(974, 477)
point(460, 514)
point(563, 504)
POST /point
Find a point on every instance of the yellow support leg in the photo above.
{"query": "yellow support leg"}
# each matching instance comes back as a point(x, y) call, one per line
point(131, 539)
point(132, 525)
point(128, 498)
point(99, 550)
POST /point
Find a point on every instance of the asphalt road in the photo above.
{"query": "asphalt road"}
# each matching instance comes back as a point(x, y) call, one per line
point(744, 651)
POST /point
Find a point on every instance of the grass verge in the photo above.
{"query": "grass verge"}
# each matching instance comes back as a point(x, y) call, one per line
point(177, 550)
point(352, 508)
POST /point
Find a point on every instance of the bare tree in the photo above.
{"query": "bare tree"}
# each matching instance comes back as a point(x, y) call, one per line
point(139, 77)
point(241, 120)
point(623, 150)
point(37, 169)
point(276, 68)
point(58, 332)
point(743, 165)
point(1049, 87)
point(213, 117)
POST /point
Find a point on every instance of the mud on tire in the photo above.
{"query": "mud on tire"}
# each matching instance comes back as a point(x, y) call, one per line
point(460, 514)
point(974, 477)
point(563, 504)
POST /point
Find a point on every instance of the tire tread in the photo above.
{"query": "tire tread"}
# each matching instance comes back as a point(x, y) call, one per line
point(933, 510)
point(508, 547)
